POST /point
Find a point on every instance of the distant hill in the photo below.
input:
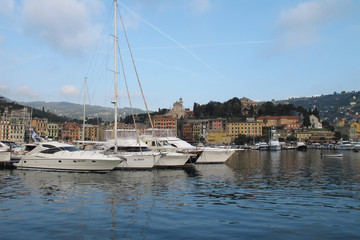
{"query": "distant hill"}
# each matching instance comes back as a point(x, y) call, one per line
point(11, 105)
point(75, 111)
point(332, 106)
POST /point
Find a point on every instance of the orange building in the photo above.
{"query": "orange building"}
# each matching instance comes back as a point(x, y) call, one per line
point(165, 122)
point(71, 131)
point(187, 132)
point(278, 121)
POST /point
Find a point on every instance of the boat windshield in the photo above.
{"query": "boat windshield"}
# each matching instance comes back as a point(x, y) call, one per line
point(58, 149)
point(70, 149)
point(131, 149)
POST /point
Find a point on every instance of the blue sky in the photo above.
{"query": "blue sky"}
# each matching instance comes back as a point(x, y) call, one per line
point(200, 50)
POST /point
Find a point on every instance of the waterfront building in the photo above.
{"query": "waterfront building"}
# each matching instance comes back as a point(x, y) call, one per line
point(71, 132)
point(165, 122)
point(291, 126)
point(321, 135)
point(217, 125)
point(356, 127)
point(303, 135)
point(13, 125)
point(244, 128)
point(278, 121)
point(40, 126)
point(217, 137)
point(187, 132)
point(93, 133)
point(53, 130)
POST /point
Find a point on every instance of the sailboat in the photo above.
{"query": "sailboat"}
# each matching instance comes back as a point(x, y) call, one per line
point(124, 144)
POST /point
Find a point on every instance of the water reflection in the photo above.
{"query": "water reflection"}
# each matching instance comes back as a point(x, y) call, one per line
point(295, 190)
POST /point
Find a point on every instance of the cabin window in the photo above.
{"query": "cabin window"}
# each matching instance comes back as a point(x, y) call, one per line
point(51, 150)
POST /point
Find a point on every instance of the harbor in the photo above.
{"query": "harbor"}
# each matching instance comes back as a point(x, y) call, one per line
point(255, 194)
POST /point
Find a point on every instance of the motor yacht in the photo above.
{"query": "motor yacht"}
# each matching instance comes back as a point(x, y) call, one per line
point(344, 145)
point(171, 156)
point(62, 156)
point(137, 154)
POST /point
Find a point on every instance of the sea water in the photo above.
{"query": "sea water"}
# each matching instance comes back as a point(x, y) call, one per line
point(255, 195)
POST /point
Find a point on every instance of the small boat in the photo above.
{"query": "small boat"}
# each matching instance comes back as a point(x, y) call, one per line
point(301, 146)
point(334, 155)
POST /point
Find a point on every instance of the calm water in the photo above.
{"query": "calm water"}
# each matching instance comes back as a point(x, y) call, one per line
point(263, 195)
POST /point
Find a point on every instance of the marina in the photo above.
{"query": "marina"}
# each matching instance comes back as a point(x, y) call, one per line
point(255, 194)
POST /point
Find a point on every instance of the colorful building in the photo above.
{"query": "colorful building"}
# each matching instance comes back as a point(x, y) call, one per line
point(278, 121)
point(40, 126)
point(218, 137)
point(165, 122)
point(244, 128)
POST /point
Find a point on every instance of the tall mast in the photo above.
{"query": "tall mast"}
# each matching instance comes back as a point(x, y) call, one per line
point(83, 136)
point(115, 79)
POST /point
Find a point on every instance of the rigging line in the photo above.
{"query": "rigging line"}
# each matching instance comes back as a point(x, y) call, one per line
point(137, 75)
point(98, 45)
point(200, 45)
point(175, 41)
point(128, 93)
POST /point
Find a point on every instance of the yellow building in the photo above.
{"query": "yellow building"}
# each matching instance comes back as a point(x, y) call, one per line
point(357, 127)
point(217, 137)
point(40, 126)
point(244, 128)
point(303, 135)
point(92, 133)
point(53, 130)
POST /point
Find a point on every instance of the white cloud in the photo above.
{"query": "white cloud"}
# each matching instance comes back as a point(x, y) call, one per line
point(64, 24)
point(6, 6)
point(69, 91)
point(199, 7)
point(299, 26)
point(26, 92)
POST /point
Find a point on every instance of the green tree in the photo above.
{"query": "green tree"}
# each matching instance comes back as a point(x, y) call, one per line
point(241, 139)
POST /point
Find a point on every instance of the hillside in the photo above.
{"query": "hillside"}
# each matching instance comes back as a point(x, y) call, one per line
point(332, 106)
point(75, 111)
point(10, 105)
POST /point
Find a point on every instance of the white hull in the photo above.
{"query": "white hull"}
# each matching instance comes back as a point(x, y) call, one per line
point(172, 159)
point(344, 147)
point(5, 156)
point(67, 164)
point(138, 161)
point(215, 155)
point(275, 148)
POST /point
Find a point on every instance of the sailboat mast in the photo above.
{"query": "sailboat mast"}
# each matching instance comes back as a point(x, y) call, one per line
point(115, 78)
point(83, 136)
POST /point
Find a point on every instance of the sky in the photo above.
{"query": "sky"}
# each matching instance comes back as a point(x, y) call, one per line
point(197, 50)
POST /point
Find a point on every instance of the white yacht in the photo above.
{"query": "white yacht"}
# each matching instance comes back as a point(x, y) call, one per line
point(61, 156)
point(344, 145)
point(171, 157)
point(206, 154)
point(137, 154)
point(301, 146)
point(274, 144)
point(203, 154)
point(263, 146)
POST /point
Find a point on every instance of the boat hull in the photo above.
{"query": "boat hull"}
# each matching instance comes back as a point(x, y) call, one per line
point(138, 161)
point(172, 159)
point(215, 155)
point(60, 164)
